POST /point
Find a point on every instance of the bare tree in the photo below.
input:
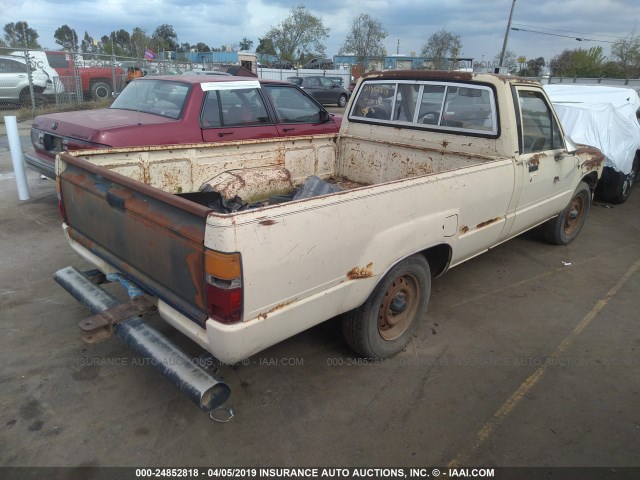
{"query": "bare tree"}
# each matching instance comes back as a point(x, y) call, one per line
point(510, 61)
point(442, 45)
point(300, 34)
point(365, 39)
point(627, 53)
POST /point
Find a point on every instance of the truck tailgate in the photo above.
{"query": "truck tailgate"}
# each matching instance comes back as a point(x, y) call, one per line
point(147, 234)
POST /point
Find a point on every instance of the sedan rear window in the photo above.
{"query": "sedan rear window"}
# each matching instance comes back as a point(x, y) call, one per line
point(158, 97)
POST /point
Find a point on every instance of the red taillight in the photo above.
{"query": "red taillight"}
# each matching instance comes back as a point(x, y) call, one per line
point(70, 144)
point(223, 276)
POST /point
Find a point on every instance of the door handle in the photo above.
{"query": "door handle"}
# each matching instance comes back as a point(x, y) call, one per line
point(288, 129)
point(222, 134)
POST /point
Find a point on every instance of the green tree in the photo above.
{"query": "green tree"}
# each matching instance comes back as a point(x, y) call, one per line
point(365, 39)
point(86, 45)
point(627, 53)
point(265, 47)
point(534, 67)
point(579, 63)
point(140, 41)
point(202, 47)
point(246, 44)
point(67, 38)
point(301, 33)
point(165, 38)
point(122, 42)
point(20, 35)
point(441, 46)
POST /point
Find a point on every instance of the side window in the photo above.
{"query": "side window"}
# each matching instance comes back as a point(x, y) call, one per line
point(242, 107)
point(326, 82)
point(540, 131)
point(11, 66)
point(211, 111)
point(293, 106)
point(57, 60)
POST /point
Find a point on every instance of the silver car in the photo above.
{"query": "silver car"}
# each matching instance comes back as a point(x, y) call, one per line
point(14, 81)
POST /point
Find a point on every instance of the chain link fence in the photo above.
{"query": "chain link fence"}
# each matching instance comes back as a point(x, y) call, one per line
point(39, 81)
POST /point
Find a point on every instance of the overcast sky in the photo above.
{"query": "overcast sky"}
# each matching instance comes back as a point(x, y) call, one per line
point(481, 24)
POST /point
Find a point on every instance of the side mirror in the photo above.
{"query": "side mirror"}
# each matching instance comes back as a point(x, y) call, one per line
point(571, 146)
point(324, 116)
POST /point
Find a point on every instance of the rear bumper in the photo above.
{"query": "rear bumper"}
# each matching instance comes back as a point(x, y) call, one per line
point(40, 165)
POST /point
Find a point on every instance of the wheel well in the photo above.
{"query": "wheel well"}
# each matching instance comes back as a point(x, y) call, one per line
point(591, 180)
point(438, 257)
point(93, 81)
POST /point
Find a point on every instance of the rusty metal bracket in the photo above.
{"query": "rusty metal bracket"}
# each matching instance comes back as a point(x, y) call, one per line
point(99, 327)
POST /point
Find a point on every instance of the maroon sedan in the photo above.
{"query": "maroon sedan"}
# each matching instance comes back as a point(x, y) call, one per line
point(178, 110)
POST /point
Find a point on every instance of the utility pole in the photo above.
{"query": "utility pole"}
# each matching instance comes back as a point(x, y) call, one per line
point(506, 34)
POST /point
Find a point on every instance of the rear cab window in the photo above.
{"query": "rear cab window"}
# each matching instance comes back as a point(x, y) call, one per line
point(432, 105)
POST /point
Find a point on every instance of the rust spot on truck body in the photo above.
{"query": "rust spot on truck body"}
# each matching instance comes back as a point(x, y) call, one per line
point(594, 158)
point(463, 229)
point(488, 222)
point(264, 315)
point(535, 160)
point(360, 272)
point(267, 221)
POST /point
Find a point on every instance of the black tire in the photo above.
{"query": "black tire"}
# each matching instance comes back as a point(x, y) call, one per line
point(620, 191)
point(563, 229)
point(25, 98)
point(100, 91)
point(383, 325)
point(342, 101)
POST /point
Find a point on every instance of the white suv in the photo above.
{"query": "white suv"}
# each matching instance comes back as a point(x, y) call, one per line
point(14, 81)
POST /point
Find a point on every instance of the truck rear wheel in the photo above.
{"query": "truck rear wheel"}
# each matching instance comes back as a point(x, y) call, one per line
point(384, 324)
point(100, 91)
point(563, 229)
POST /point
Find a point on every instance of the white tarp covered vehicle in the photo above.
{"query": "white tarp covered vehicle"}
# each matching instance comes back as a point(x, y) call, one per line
point(604, 117)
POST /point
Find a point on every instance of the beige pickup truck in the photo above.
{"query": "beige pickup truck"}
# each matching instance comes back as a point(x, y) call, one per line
point(240, 245)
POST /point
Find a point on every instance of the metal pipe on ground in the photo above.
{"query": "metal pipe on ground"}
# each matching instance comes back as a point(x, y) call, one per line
point(201, 387)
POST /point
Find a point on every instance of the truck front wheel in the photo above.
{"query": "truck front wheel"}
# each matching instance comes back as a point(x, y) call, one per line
point(100, 91)
point(384, 324)
point(563, 229)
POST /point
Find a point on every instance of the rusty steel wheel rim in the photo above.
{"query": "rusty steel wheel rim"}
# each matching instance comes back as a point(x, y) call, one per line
point(398, 307)
point(574, 215)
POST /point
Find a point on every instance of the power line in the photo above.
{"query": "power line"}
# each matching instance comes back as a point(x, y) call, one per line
point(570, 31)
point(579, 39)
